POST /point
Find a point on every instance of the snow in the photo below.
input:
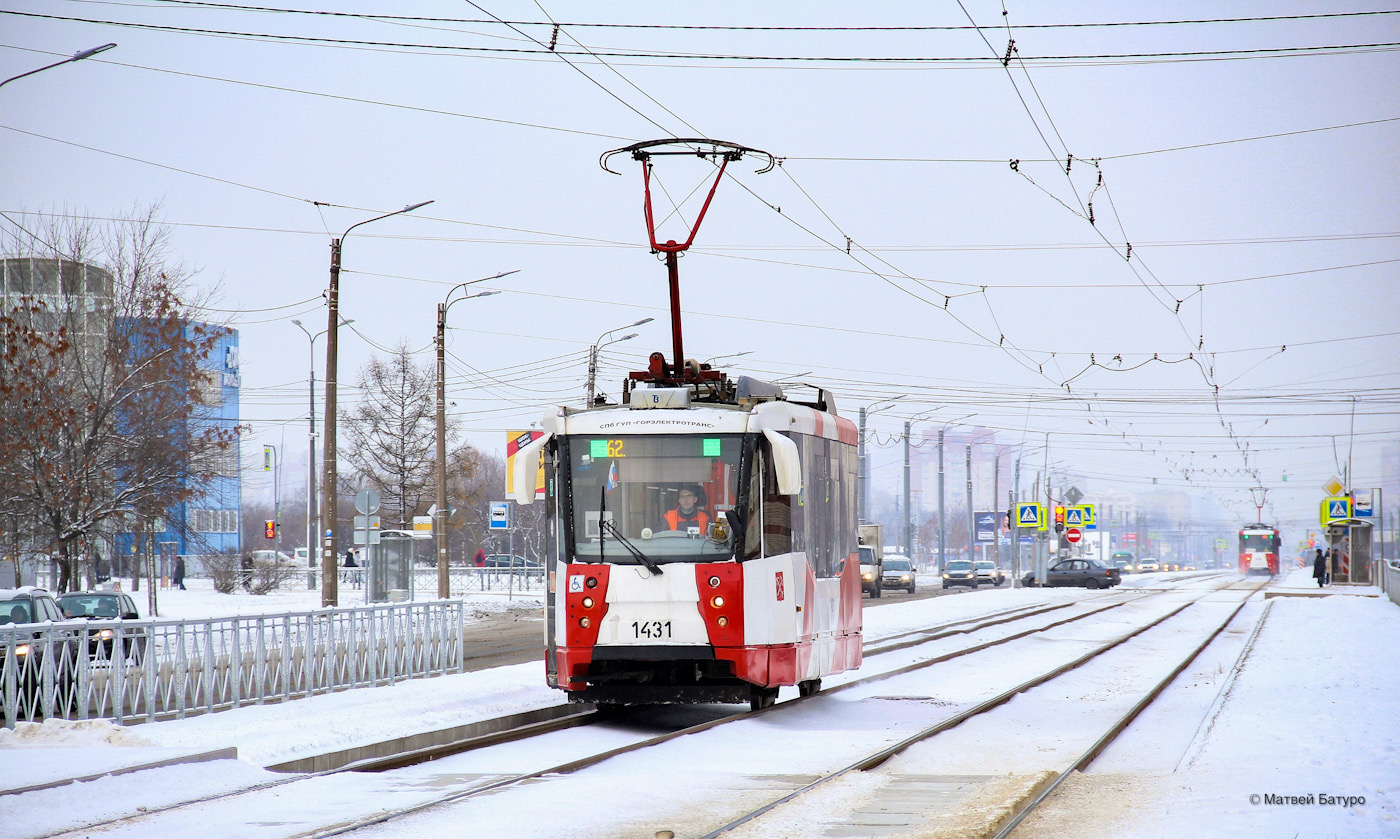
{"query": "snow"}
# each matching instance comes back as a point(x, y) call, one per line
point(1312, 710)
point(200, 601)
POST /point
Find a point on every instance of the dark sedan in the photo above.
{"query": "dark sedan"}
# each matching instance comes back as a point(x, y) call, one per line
point(107, 606)
point(1089, 573)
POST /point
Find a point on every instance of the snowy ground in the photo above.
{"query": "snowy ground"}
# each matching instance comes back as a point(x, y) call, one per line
point(1313, 711)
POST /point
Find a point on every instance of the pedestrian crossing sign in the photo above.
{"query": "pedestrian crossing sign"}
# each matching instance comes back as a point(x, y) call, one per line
point(1335, 509)
point(1074, 517)
point(1091, 521)
point(1030, 514)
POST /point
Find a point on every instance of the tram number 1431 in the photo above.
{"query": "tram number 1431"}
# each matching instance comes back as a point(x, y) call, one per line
point(651, 629)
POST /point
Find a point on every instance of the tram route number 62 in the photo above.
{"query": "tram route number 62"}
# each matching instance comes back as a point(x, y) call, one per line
point(651, 629)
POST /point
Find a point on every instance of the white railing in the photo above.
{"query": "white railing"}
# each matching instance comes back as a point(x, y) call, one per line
point(141, 671)
point(1390, 579)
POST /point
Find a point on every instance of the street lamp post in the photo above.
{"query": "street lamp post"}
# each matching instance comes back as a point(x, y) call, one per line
point(77, 56)
point(942, 522)
point(862, 468)
point(440, 511)
point(330, 596)
point(598, 345)
point(313, 514)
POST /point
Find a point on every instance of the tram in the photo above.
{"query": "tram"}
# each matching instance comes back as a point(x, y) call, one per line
point(701, 539)
point(1259, 544)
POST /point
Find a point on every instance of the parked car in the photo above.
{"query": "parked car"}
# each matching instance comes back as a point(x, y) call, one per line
point(1089, 573)
point(267, 558)
point(959, 572)
point(106, 606)
point(899, 573)
point(988, 572)
point(1148, 564)
point(27, 615)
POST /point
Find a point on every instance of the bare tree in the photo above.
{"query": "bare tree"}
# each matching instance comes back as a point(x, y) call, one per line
point(391, 433)
point(101, 382)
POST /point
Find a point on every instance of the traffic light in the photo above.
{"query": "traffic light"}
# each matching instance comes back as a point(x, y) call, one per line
point(270, 529)
point(1059, 514)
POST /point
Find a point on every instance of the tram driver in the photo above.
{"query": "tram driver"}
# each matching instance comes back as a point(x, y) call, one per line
point(688, 512)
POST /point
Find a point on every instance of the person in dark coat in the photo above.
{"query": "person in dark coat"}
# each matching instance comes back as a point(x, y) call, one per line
point(179, 576)
point(246, 566)
point(1320, 569)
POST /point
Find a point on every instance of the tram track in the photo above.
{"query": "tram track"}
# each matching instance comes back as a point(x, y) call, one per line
point(587, 715)
point(877, 758)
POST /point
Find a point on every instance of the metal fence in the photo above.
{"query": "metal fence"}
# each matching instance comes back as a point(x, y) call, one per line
point(1390, 579)
point(147, 670)
point(461, 581)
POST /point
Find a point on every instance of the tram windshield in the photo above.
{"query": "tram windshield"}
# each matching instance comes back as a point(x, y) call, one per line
point(660, 495)
point(1258, 541)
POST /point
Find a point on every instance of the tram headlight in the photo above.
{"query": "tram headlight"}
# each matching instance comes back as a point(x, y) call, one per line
point(585, 622)
point(717, 602)
point(588, 603)
point(722, 621)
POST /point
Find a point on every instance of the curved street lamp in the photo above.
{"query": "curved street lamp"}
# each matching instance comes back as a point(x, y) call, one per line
point(313, 515)
point(77, 56)
point(862, 478)
point(330, 595)
point(598, 345)
point(440, 512)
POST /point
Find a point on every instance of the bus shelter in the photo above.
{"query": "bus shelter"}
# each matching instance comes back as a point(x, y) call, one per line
point(390, 567)
point(1349, 541)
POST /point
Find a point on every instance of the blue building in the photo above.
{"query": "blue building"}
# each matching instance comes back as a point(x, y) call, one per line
point(208, 522)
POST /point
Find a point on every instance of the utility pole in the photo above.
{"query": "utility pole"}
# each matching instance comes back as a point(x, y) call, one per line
point(908, 513)
point(330, 594)
point(971, 523)
point(942, 521)
point(862, 503)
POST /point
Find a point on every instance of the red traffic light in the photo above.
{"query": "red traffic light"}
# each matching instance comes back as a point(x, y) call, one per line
point(270, 529)
point(1059, 515)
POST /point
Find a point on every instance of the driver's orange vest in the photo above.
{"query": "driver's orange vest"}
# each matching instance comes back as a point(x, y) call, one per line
point(700, 520)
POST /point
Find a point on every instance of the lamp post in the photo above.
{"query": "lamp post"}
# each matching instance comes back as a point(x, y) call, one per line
point(330, 596)
point(440, 511)
point(942, 522)
point(77, 56)
point(598, 345)
point(862, 476)
point(313, 517)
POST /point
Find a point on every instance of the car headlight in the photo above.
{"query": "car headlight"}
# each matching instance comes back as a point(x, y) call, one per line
point(945, 576)
point(904, 577)
point(869, 575)
point(105, 635)
point(21, 649)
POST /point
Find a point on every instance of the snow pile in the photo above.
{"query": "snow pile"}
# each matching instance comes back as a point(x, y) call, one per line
point(54, 733)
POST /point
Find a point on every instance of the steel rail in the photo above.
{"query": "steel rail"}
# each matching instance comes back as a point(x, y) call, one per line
point(1123, 722)
point(591, 716)
point(874, 760)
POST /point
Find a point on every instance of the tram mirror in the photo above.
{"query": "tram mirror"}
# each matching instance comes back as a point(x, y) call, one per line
point(787, 463)
point(527, 463)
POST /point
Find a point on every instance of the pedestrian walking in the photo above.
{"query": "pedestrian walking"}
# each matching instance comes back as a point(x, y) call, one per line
point(480, 560)
point(1320, 568)
point(246, 569)
point(179, 577)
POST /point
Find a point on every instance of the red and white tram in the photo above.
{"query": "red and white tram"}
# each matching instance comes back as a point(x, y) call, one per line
point(1259, 544)
point(762, 591)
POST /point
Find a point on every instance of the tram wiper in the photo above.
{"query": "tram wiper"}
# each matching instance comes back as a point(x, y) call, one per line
point(631, 548)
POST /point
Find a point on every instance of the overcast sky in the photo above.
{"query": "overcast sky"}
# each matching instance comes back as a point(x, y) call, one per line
point(969, 283)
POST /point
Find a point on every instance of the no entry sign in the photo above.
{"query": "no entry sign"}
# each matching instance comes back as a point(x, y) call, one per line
point(1073, 535)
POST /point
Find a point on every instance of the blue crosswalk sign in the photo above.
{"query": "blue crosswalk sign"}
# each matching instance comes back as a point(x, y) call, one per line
point(1074, 517)
point(1028, 515)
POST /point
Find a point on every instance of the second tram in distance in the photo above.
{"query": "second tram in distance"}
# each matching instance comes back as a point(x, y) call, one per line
point(701, 541)
point(1259, 544)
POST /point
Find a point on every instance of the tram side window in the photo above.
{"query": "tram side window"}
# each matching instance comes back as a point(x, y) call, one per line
point(846, 536)
point(782, 523)
point(819, 505)
point(753, 533)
